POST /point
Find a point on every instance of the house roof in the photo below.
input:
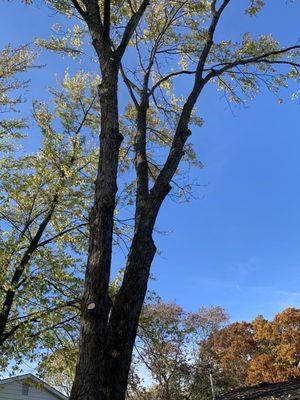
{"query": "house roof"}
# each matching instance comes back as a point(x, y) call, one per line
point(38, 381)
point(278, 391)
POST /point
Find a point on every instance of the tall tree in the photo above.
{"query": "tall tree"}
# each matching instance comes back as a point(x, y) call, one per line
point(184, 33)
point(171, 344)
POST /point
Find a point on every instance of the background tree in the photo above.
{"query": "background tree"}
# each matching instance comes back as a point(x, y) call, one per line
point(182, 33)
point(45, 198)
point(260, 351)
point(171, 344)
point(278, 342)
point(58, 367)
point(232, 348)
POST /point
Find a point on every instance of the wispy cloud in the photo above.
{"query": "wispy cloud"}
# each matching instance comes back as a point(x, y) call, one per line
point(247, 267)
point(282, 298)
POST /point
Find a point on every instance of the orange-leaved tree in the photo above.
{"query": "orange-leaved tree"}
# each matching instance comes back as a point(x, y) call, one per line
point(260, 351)
point(278, 345)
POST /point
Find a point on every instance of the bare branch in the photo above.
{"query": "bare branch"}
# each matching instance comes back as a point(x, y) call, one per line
point(58, 235)
point(211, 32)
point(169, 76)
point(162, 184)
point(262, 58)
point(106, 20)
point(130, 28)
point(130, 85)
point(79, 9)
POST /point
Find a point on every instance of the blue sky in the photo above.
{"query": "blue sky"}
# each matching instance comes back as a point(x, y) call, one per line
point(237, 244)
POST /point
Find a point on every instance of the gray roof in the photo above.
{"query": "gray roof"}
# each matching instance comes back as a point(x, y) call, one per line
point(31, 377)
point(289, 390)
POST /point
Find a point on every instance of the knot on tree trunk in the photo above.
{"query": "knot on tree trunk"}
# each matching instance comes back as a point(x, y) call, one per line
point(186, 132)
point(119, 136)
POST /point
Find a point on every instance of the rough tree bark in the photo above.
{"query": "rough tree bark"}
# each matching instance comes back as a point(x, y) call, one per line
point(96, 303)
point(108, 331)
point(89, 381)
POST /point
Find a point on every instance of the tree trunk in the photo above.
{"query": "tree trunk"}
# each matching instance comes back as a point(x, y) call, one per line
point(96, 302)
point(124, 319)
point(125, 313)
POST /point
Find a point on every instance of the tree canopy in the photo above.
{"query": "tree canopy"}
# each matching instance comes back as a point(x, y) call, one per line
point(62, 204)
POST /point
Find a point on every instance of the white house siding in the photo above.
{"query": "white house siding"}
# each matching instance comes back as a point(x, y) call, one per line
point(13, 391)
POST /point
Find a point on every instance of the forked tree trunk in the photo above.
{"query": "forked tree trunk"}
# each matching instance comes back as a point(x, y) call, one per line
point(125, 313)
point(95, 302)
point(124, 319)
point(107, 336)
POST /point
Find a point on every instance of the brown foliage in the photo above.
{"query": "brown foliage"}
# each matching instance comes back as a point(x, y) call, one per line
point(278, 347)
point(260, 351)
